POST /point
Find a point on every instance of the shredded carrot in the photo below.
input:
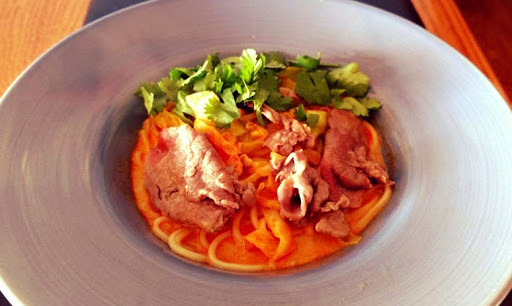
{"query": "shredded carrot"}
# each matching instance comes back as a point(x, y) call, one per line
point(267, 197)
point(282, 231)
point(262, 239)
point(252, 147)
point(248, 117)
point(215, 137)
point(257, 131)
point(313, 156)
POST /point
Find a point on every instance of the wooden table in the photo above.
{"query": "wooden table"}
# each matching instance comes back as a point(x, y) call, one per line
point(478, 29)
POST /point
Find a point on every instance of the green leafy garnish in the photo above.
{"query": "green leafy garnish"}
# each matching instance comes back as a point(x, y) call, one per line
point(208, 106)
point(307, 62)
point(154, 98)
point(300, 113)
point(349, 78)
point(312, 86)
point(278, 102)
point(371, 103)
point(274, 60)
point(182, 109)
point(312, 120)
point(216, 89)
point(302, 116)
point(252, 64)
point(351, 104)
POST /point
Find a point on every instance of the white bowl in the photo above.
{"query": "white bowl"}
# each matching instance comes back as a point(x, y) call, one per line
point(70, 233)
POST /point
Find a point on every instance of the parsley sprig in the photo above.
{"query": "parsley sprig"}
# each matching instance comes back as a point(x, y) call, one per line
point(216, 89)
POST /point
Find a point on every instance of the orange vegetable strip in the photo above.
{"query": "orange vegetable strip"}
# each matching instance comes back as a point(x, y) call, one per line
point(257, 131)
point(246, 160)
point(215, 137)
point(266, 197)
point(248, 117)
point(313, 156)
point(261, 153)
point(263, 240)
point(166, 119)
point(259, 173)
point(282, 231)
point(249, 147)
point(141, 195)
point(235, 161)
point(237, 128)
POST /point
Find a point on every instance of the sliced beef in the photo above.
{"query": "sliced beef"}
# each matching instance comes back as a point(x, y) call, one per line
point(333, 224)
point(344, 164)
point(293, 132)
point(299, 185)
point(188, 182)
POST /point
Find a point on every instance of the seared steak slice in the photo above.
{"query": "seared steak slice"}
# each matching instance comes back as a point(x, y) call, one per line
point(293, 132)
point(344, 164)
point(188, 182)
point(334, 224)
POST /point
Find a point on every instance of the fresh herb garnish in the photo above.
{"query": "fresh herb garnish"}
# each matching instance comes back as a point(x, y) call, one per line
point(216, 89)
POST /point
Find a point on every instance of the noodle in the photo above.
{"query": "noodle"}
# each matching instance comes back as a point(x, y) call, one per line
point(254, 216)
point(203, 241)
point(158, 231)
point(370, 211)
point(175, 245)
point(214, 261)
point(237, 234)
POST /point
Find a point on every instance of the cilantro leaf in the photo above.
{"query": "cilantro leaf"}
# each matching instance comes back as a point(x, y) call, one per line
point(258, 100)
point(177, 73)
point(300, 113)
point(307, 62)
point(208, 65)
point(182, 109)
point(351, 104)
point(276, 101)
point(170, 88)
point(222, 113)
point(349, 78)
point(244, 92)
point(154, 98)
point(337, 92)
point(251, 65)
point(302, 116)
point(312, 86)
point(227, 74)
point(268, 80)
point(206, 83)
point(207, 105)
point(371, 103)
point(312, 120)
point(274, 60)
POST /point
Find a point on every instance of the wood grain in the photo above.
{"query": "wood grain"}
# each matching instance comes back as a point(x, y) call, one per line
point(444, 19)
point(30, 27)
